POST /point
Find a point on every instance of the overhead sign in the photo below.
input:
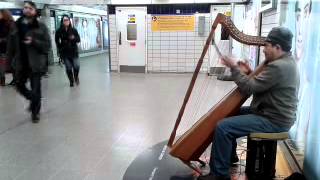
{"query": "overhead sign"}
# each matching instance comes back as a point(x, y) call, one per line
point(173, 23)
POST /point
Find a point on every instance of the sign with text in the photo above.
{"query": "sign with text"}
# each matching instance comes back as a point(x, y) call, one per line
point(131, 18)
point(173, 23)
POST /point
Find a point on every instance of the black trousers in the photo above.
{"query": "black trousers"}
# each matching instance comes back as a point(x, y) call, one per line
point(33, 95)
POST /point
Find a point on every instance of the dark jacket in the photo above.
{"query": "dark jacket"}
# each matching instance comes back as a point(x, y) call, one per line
point(36, 54)
point(275, 90)
point(67, 48)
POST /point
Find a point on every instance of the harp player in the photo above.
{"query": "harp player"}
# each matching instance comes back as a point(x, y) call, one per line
point(273, 107)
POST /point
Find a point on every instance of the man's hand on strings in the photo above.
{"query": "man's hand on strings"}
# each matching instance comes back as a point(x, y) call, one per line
point(233, 63)
point(228, 61)
point(244, 67)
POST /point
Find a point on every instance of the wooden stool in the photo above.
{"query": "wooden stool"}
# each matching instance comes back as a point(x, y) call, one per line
point(262, 153)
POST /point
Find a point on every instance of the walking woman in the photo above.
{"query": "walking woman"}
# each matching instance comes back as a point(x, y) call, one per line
point(6, 25)
point(66, 39)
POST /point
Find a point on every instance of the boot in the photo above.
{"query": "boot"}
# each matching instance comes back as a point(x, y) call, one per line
point(35, 118)
point(70, 76)
point(76, 77)
point(2, 81)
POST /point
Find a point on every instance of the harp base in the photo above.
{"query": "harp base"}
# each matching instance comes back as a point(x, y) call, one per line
point(195, 167)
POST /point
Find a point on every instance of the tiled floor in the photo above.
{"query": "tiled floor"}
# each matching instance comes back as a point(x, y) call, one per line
point(94, 131)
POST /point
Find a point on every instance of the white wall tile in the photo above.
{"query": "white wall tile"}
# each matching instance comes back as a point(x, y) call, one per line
point(190, 47)
point(156, 38)
point(182, 47)
point(173, 51)
point(165, 34)
point(165, 38)
point(182, 60)
point(156, 51)
point(182, 34)
point(190, 55)
point(173, 34)
point(181, 69)
point(182, 51)
point(156, 55)
point(173, 55)
point(156, 47)
point(182, 56)
point(156, 34)
point(164, 42)
point(173, 43)
point(164, 63)
point(156, 63)
point(156, 59)
point(156, 68)
point(182, 38)
point(165, 51)
point(176, 48)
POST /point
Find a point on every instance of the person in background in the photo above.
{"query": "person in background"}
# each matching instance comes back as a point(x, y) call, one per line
point(6, 25)
point(67, 39)
point(29, 45)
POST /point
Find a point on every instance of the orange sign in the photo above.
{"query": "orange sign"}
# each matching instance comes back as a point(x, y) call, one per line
point(173, 23)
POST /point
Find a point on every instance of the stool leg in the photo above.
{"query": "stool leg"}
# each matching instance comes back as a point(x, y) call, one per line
point(251, 158)
point(270, 158)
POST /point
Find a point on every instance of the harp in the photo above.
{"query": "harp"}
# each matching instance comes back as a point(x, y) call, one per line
point(191, 145)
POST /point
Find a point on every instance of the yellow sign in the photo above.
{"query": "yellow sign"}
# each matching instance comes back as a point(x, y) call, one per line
point(131, 18)
point(228, 13)
point(173, 23)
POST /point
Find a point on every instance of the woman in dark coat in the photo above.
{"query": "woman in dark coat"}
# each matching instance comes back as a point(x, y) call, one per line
point(66, 39)
point(6, 25)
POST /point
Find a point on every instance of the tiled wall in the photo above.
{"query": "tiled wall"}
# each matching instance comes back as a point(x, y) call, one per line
point(176, 51)
point(113, 42)
point(167, 51)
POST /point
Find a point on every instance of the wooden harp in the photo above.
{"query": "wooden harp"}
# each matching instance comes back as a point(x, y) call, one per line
point(191, 145)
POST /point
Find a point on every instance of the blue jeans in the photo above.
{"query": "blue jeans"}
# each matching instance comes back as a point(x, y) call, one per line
point(226, 133)
point(72, 64)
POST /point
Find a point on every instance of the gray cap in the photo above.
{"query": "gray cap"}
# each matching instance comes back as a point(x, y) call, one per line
point(282, 36)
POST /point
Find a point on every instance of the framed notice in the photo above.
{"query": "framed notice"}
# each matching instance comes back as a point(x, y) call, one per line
point(173, 23)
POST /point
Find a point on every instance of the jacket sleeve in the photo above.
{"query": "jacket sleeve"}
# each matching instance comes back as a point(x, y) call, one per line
point(77, 37)
point(57, 39)
point(43, 44)
point(262, 82)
